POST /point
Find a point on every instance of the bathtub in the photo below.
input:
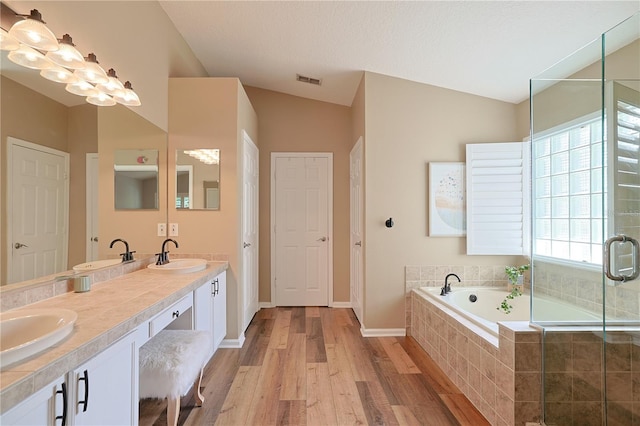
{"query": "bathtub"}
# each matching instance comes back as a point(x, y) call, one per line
point(484, 314)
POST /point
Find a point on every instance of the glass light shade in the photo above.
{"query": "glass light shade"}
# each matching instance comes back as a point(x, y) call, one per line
point(30, 58)
point(59, 75)
point(33, 32)
point(113, 86)
point(7, 42)
point(101, 99)
point(67, 56)
point(81, 88)
point(127, 96)
point(92, 72)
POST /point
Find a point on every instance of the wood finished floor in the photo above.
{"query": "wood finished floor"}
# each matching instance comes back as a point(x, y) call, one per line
point(310, 366)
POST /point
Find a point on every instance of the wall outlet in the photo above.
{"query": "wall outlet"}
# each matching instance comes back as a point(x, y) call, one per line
point(173, 229)
point(162, 230)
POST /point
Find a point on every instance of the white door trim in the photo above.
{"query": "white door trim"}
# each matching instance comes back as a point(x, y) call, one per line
point(329, 157)
point(11, 143)
point(357, 305)
point(91, 168)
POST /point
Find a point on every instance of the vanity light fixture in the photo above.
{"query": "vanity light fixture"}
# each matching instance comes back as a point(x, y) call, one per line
point(67, 55)
point(92, 72)
point(127, 96)
point(59, 75)
point(33, 32)
point(32, 45)
point(8, 42)
point(113, 86)
point(81, 88)
point(29, 58)
point(101, 99)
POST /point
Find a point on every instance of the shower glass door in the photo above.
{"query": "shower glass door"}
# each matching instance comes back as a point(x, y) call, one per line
point(585, 122)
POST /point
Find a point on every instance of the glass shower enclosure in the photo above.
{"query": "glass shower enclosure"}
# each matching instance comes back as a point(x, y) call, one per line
point(585, 184)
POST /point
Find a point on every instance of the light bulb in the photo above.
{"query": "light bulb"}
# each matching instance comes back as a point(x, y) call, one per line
point(92, 72)
point(8, 42)
point(59, 75)
point(81, 88)
point(101, 99)
point(29, 58)
point(67, 55)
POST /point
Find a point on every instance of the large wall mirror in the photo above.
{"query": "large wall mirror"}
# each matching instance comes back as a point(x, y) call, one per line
point(198, 179)
point(41, 113)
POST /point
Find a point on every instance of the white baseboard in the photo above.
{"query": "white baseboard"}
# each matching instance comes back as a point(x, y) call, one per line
point(341, 305)
point(233, 343)
point(266, 305)
point(383, 332)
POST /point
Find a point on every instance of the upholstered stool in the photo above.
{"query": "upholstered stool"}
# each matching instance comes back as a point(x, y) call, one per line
point(170, 363)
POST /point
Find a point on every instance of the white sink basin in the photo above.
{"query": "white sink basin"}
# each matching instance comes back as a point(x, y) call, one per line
point(96, 264)
point(180, 266)
point(25, 332)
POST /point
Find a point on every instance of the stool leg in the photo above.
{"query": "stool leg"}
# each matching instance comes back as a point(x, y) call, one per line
point(173, 411)
point(197, 394)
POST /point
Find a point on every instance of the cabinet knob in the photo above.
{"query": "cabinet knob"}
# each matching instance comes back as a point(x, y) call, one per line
point(176, 314)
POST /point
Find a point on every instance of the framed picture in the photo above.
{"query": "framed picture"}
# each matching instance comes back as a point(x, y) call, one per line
point(447, 206)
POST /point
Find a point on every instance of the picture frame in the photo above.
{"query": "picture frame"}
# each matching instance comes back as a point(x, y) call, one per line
point(447, 199)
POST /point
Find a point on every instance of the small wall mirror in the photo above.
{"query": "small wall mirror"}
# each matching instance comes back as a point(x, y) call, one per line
point(198, 179)
point(136, 179)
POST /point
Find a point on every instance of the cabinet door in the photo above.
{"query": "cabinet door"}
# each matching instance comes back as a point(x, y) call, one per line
point(105, 387)
point(203, 305)
point(219, 310)
point(45, 407)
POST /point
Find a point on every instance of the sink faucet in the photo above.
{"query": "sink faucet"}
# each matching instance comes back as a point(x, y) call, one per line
point(163, 256)
point(447, 286)
point(127, 256)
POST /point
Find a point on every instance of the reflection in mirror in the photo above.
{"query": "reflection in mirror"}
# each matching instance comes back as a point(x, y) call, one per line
point(198, 179)
point(136, 179)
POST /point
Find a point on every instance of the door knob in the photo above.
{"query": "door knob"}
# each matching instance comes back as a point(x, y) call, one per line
point(94, 239)
point(19, 245)
point(322, 239)
point(245, 245)
point(358, 243)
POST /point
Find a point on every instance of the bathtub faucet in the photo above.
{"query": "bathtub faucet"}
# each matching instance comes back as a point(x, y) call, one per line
point(447, 285)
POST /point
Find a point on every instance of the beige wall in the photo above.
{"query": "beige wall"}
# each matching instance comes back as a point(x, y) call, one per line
point(121, 128)
point(408, 125)
point(211, 113)
point(34, 118)
point(293, 124)
point(83, 139)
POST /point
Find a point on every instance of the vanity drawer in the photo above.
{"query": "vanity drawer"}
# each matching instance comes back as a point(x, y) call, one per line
point(170, 314)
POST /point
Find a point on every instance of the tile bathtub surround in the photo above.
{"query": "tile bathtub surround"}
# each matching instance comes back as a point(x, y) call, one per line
point(500, 376)
point(434, 276)
point(18, 295)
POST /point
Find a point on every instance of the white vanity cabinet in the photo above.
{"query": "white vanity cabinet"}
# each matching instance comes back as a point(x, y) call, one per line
point(105, 388)
point(102, 391)
point(210, 304)
point(45, 407)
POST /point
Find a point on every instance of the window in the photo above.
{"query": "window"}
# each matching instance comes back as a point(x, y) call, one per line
point(569, 183)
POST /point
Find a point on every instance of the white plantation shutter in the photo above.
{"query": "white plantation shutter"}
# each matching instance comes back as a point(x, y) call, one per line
point(497, 198)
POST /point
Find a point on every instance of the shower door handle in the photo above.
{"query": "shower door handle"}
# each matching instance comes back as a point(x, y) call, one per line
point(635, 252)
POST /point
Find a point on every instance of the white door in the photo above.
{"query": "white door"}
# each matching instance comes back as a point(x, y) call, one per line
point(356, 210)
point(249, 230)
point(301, 212)
point(92, 207)
point(38, 205)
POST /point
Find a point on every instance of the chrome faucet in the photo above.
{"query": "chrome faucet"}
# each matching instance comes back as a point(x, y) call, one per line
point(447, 286)
point(163, 256)
point(127, 256)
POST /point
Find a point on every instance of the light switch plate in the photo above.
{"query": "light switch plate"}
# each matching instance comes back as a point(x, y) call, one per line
point(173, 229)
point(162, 230)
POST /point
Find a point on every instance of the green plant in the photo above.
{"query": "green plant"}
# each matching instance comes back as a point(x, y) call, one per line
point(513, 272)
point(505, 306)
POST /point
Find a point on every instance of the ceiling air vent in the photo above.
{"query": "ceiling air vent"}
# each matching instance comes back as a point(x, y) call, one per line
point(309, 80)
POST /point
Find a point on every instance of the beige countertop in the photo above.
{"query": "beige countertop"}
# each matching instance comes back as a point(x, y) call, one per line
point(105, 314)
